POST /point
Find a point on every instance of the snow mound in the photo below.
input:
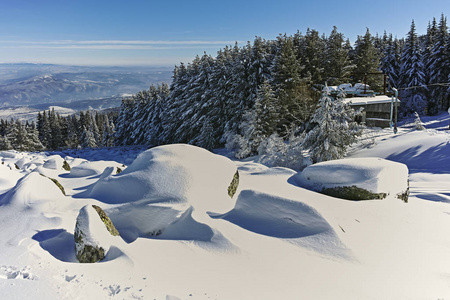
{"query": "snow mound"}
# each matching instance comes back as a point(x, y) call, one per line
point(73, 162)
point(32, 189)
point(169, 221)
point(21, 162)
point(85, 169)
point(373, 174)
point(275, 216)
point(54, 162)
point(8, 178)
point(183, 173)
point(9, 154)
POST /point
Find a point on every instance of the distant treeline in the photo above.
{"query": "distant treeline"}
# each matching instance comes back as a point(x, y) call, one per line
point(51, 131)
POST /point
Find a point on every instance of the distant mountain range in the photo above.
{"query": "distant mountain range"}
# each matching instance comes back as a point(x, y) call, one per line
point(39, 86)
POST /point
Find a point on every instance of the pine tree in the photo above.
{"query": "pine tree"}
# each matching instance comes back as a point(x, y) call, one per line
point(439, 68)
point(313, 56)
point(412, 75)
point(367, 60)
point(207, 137)
point(390, 62)
point(87, 139)
point(338, 66)
point(334, 129)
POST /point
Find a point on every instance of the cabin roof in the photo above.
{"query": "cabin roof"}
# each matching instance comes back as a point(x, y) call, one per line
point(369, 100)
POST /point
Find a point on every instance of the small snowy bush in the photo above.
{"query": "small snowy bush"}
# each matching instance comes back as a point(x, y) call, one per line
point(418, 122)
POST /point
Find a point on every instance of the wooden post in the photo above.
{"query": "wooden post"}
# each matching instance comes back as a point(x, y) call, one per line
point(365, 82)
point(396, 102)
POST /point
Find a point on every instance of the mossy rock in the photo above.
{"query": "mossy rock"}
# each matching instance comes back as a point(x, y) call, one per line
point(106, 220)
point(89, 248)
point(234, 184)
point(352, 193)
point(66, 166)
point(55, 182)
point(88, 254)
point(405, 195)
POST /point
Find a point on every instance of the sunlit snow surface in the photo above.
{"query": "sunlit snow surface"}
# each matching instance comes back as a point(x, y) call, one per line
point(183, 237)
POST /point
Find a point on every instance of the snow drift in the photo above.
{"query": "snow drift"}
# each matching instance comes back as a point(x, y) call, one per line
point(275, 216)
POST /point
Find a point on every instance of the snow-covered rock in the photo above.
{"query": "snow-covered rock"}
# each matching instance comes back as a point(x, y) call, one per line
point(182, 173)
point(94, 234)
point(32, 189)
point(54, 162)
point(375, 175)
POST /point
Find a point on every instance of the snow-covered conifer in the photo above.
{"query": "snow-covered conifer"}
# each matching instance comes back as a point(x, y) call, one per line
point(334, 131)
point(412, 75)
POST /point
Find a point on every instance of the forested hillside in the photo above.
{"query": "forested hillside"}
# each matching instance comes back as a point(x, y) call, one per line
point(256, 97)
point(272, 86)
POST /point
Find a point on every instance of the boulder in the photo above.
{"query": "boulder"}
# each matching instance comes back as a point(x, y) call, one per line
point(357, 178)
point(94, 234)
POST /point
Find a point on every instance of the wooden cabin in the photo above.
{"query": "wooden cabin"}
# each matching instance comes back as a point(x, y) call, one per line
point(376, 108)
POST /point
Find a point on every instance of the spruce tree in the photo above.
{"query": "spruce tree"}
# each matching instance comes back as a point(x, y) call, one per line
point(412, 75)
point(334, 130)
point(338, 66)
point(367, 60)
point(439, 68)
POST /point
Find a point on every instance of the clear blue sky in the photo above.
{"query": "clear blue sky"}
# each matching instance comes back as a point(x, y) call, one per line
point(166, 32)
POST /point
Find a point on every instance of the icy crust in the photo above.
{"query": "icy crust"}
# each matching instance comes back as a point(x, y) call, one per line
point(376, 175)
point(180, 173)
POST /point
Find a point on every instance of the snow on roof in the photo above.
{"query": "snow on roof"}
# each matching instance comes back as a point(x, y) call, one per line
point(369, 100)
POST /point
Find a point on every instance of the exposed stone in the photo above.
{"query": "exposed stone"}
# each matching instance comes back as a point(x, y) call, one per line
point(66, 166)
point(119, 170)
point(55, 182)
point(405, 195)
point(106, 220)
point(92, 242)
point(234, 184)
point(88, 253)
point(352, 193)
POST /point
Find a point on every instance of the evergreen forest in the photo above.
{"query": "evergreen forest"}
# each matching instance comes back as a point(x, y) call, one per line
point(262, 97)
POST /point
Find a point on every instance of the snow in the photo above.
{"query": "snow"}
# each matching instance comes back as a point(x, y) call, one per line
point(374, 174)
point(183, 237)
point(370, 100)
point(85, 168)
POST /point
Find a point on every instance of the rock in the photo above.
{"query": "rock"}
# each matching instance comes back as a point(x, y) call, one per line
point(233, 185)
point(357, 178)
point(66, 166)
point(94, 234)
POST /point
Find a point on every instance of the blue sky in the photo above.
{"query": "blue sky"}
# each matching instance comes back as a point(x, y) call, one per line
point(167, 32)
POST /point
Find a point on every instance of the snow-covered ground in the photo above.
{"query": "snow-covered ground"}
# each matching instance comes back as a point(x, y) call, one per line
point(183, 237)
